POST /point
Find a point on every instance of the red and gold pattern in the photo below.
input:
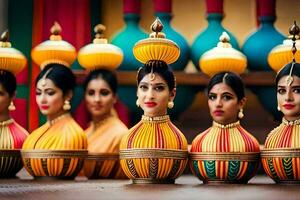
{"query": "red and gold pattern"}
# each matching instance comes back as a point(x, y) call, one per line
point(55, 149)
point(281, 154)
point(154, 151)
point(224, 154)
point(11, 140)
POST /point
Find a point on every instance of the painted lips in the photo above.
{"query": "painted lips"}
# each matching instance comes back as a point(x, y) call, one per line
point(288, 106)
point(150, 104)
point(44, 107)
point(218, 112)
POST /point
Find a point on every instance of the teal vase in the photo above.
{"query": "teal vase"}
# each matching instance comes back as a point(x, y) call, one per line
point(209, 38)
point(257, 47)
point(126, 40)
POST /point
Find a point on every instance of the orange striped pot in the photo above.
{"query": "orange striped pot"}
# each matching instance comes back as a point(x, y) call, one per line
point(224, 154)
point(103, 165)
point(64, 164)
point(281, 154)
point(154, 151)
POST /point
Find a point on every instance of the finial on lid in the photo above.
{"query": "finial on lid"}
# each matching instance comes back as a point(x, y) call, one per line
point(224, 37)
point(55, 29)
point(4, 39)
point(99, 29)
point(157, 27)
point(55, 32)
point(4, 36)
point(99, 34)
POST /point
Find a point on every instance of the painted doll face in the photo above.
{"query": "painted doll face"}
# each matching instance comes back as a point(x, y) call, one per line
point(99, 98)
point(288, 97)
point(154, 95)
point(49, 98)
point(223, 104)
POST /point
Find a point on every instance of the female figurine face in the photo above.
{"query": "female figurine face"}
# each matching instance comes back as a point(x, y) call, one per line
point(288, 97)
point(223, 104)
point(4, 99)
point(50, 98)
point(154, 95)
point(99, 98)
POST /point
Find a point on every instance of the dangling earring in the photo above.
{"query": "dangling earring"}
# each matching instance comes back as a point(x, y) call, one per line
point(278, 108)
point(241, 114)
point(67, 105)
point(170, 104)
point(137, 103)
point(11, 106)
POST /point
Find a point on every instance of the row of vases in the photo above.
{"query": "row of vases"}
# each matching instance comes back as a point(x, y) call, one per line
point(207, 39)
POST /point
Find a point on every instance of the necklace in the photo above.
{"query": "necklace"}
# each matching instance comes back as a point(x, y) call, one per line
point(157, 119)
point(53, 121)
point(227, 125)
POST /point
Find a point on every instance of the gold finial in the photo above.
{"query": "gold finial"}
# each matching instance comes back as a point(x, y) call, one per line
point(99, 29)
point(99, 36)
point(224, 40)
point(294, 30)
point(55, 32)
point(4, 39)
point(157, 27)
point(224, 37)
point(55, 29)
point(5, 36)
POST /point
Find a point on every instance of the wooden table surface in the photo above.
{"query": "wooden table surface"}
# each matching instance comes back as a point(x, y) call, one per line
point(186, 187)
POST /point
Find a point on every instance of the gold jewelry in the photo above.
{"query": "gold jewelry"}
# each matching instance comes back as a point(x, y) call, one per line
point(137, 103)
point(216, 124)
point(278, 107)
point(152, 75)
point(158, 119)
point(170, 104)
point(286, 122)
point(67, 105)
point(241, 114)
point(11, 106)
point(53, 121)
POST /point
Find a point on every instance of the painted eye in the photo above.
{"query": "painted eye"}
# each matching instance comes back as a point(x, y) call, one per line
point(91, 92)
point(104, 92)
point(281, 91)
point(159, 88)
point(212, 97)
point(227, 97)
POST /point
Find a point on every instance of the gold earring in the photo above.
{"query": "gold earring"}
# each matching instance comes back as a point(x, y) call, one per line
point(241, 114)
point(67, 105)
point(137, 103)
point(170, 104)
point(11, 106)
point(278, 108)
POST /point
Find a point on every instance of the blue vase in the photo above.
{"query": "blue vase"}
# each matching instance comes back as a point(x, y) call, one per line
point(256, 48)
point(126, 40)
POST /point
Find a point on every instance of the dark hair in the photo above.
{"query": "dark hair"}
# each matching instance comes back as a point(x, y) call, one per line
point(232, 80)
point(285, 71)
point(8, 81)
point(61, 76)
point(160, 68)
point(108, 76)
